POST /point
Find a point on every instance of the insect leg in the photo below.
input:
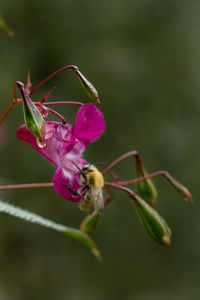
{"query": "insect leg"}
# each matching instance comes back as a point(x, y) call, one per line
point(72, 191)
point(81, 172)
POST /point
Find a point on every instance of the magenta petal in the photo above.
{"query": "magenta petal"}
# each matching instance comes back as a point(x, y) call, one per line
point(90, 123)
point(61, 183)
point(25, 135)
point(49, 151)
point(58, 140)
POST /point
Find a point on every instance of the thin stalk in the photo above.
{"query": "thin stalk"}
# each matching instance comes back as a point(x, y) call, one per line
point(72, 67)
point(26, 186)
point(122, 188)
point(177, 185)
point(8, 110)
point(12, 105)
point(58, 115)
point(120, 159)
point(151, 175)
point(63, 103)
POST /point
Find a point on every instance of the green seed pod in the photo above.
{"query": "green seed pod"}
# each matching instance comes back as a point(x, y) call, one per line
point(152, 222)
point(33, 118)
point(88, 87)
point(91, 222)
point(145, 189)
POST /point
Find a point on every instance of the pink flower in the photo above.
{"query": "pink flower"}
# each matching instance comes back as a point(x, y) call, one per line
point(65, 145)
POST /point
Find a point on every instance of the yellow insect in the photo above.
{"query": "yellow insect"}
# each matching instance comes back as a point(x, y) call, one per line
point(93, 187)
point(92, 190)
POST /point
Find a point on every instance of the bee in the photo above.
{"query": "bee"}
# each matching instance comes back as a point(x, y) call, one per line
point(92, 190)
point(93, 185)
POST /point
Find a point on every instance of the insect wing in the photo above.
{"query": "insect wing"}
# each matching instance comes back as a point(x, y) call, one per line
point(97, 201)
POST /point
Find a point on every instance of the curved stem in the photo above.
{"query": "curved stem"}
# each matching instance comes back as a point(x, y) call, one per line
point(12, 105)
point(122, 188)
point(118, 160)
point(58, 115)
point(8, 110)
point(151, 175)
point(72, 67)
point(177, 185)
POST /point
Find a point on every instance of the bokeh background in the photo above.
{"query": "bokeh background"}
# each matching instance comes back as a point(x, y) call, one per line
point(144, 58)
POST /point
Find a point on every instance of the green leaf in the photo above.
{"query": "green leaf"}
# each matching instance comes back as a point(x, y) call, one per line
point(5, 28)
point(33, 118)
point(87, 86)
point(152, 222)
point(36, 219)
point(91, 222)
point(145, 189)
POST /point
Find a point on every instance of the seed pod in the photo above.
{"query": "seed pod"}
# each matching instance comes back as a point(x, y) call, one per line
point(152, 222)
point(91, 222)
point(33, 118)
point(88, 87)
point(145, 189)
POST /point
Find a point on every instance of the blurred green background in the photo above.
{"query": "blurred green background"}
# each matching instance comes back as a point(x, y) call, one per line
point(144, 58)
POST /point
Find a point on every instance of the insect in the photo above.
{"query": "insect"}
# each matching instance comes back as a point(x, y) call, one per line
point(92, 190)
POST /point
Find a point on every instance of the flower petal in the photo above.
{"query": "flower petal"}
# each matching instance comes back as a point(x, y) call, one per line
point(54, 144)
point(68, 178)
point(90, 123)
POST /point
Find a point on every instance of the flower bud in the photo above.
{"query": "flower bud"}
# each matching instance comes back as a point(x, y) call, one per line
point(145, 189)
point(88, 87)
point(152, 222)
point(91, 222)
point(33, 118)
